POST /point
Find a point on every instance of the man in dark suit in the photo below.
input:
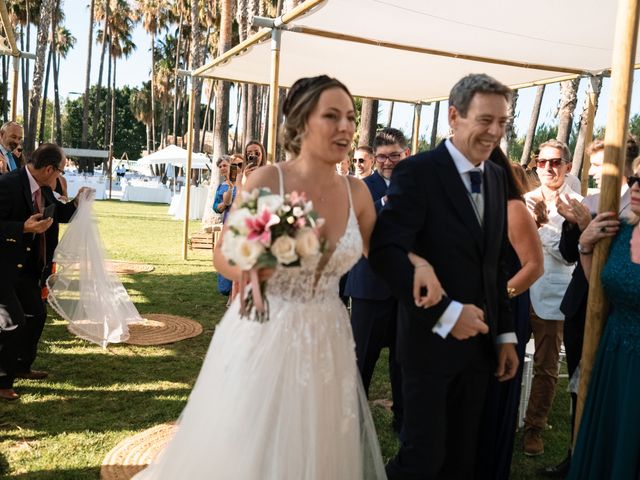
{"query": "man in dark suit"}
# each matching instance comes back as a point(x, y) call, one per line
point(10, 139)
point(449, 207)
point(373, 309)
point(27, 243)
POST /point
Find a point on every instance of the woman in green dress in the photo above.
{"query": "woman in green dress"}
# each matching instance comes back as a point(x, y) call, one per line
point(608, 445)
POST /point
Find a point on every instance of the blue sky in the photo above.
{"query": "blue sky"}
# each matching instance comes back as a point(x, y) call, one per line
point(134, 70)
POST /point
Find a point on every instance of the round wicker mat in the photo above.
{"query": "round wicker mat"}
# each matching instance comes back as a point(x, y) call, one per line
point(136, 452)
point(160, 328)
point(128, 268)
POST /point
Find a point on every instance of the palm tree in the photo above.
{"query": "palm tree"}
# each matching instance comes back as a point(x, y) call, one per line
point(140, 104)
point(221, 129)
point(46, 12)
point(533, 123)
point(434, 127)
point(87, 81)
point(101, 14)
point(155, 14)
point(595, 86)
point(510, 132)
point(64, 42)
point(568, 101)
point(368, 121)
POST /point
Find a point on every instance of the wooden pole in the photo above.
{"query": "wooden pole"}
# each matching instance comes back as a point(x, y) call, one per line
point(187, 173)
point(588, 136)
point(626, 35)
point(417, 111)
point(273, 95)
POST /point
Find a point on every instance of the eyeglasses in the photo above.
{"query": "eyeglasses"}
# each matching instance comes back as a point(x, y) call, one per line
point(238, 164)
point(359, 160)
point(394, 157)
point(633, 179)
point(555, 162)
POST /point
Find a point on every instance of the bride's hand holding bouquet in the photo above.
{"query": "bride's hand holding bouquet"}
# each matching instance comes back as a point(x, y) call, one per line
point(266, 231)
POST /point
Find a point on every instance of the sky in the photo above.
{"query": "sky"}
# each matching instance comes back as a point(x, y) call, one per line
point(136, 69)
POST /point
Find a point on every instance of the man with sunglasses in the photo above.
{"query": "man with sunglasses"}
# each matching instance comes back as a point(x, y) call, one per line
point(10, 138)
point(373, 308)
point(363, 160)
point(547, 321)
point(574, 303)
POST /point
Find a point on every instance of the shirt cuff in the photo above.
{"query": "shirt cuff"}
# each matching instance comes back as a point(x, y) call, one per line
point(509, 337)
point(448, 319)
point(382, 201)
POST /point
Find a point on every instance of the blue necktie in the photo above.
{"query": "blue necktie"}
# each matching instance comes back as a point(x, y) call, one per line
point(475, 175)
point(12, 161)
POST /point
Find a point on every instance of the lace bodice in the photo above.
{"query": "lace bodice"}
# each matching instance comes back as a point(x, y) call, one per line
point(316, 280)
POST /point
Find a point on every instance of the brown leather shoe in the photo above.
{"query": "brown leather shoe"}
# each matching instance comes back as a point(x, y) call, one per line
point(8, 394)
point(33, 375)
point(533, 444)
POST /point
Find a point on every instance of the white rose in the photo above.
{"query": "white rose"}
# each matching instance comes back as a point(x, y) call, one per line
point(238, 220)
point(247, 253)
point(307, 243)
point(270, 202)
point(284, 249)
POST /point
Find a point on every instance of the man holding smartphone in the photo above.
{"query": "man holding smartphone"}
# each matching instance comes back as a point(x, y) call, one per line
point(28, 211)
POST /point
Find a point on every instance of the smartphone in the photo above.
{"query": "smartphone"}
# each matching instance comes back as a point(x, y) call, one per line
point(252, 161)
point(233, 172)
point(49, 211)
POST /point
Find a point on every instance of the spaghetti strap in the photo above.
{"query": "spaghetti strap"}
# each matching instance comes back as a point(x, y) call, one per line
point(346, 179)
point(280, 180)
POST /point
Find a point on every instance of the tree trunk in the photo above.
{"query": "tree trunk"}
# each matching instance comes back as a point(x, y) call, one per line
point(533, 123)
point(239, 101)
point(107, 101)
point(206, 115)
point(176, 84)
point(46, 11)
point(368, 121)
point(221, 131)
point(510, 132)
point(24, 63)
point(56, 97)
point(390, 114)
point(153, 93)
point(96, 105)
point(434, 128)
point(87, 82)
point(568, 100)
point(582, 141)
point(43, 110)
point(5, 90)
point(196, 60)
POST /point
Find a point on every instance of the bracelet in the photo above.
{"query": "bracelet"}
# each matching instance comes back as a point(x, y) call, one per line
point(582, 251)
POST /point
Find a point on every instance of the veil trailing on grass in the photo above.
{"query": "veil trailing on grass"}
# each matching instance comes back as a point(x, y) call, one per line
point(82, 291)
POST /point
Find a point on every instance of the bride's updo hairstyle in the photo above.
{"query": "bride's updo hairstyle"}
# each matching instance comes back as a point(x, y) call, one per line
point(300, 102)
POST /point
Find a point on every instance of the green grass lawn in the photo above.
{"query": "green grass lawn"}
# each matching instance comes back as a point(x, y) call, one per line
point(62, 427)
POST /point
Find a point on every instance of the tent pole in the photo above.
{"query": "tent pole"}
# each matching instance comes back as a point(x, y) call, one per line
point(273, 95)
point(626, 35)
point(187, 173)
point(588, 136)
point(417, 111)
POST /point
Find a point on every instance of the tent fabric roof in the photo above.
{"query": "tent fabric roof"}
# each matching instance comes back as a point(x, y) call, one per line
point(176, 156)
point(555, 38)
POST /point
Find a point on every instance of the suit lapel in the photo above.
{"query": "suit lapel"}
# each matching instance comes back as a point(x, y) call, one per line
point(458, 194)
point(26, 190)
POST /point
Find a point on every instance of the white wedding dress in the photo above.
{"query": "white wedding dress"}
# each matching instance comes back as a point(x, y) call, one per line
point(281, 400)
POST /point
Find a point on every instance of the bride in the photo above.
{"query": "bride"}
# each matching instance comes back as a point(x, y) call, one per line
point(283, 399)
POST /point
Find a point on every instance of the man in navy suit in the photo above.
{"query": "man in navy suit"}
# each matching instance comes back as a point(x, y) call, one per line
point(449, 207)
point(10, 139)
point(27, 243)
point(373, 308)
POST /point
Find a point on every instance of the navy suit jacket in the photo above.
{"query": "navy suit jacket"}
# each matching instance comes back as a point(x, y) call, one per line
point(19, 251)
point(362, 283)
point(429, 212)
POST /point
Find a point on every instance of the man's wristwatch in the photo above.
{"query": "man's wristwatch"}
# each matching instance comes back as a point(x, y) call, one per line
point(584, 251)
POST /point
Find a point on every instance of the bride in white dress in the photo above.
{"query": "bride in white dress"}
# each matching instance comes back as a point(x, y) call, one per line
point(283, 400)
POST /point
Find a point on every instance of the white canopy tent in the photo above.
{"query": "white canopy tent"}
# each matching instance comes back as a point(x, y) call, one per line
point(177, 157)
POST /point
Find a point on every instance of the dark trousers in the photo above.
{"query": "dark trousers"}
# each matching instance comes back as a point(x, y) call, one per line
point(28, 292)
point(573, 339)
point(442, 414)
point(11, 340)
point(374, 327)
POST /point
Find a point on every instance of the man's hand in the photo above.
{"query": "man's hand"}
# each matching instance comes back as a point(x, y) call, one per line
point(4, 168)
point(573, 211)
point(470, 323)
point(35, 224)
point(538, 210)
point(82, 193)
point(507, 361)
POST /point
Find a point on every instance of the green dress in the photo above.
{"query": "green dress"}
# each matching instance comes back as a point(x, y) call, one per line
point(608, 445)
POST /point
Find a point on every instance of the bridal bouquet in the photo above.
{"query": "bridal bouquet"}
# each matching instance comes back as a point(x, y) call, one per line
point(267, 230)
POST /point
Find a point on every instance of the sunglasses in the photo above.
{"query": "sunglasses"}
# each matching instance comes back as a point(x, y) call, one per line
point(238, 164)
point(555, 162)
point(359, 160)
point(633, 179)
point(394, 157)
